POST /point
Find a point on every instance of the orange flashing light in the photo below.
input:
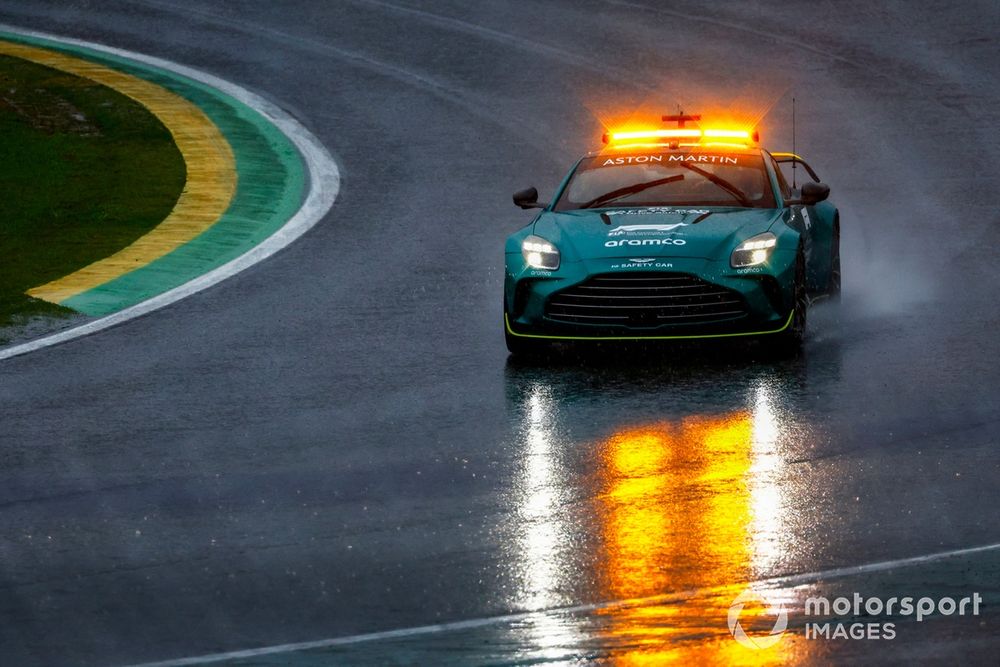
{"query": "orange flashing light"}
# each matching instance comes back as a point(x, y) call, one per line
point(727, 134)
point(653, 137)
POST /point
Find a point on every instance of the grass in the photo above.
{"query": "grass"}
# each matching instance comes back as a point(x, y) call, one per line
point(84, 172)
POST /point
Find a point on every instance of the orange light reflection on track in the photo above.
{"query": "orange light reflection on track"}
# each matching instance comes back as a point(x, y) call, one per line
point(678, 516)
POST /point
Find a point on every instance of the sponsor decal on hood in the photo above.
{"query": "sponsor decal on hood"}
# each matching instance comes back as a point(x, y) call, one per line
point(621, 243)
point(656, 210)
point(643, 230)
point(643, 263)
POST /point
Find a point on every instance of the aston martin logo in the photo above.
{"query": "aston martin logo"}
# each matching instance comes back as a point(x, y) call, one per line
point(641, 260)
point(640, 229)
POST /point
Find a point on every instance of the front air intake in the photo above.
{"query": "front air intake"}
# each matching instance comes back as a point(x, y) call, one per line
point(645, 300)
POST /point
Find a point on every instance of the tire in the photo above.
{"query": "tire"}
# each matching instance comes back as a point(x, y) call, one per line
point(833, 286)
point(519, 346)
point(790, 340)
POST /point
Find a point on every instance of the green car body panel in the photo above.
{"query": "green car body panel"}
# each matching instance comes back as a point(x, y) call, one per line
point(689, 242)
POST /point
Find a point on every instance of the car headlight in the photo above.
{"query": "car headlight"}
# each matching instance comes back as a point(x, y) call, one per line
point(755, 250)
point(539, 253)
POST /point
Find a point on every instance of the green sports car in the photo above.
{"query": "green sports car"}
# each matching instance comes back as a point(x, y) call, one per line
point(672, 234)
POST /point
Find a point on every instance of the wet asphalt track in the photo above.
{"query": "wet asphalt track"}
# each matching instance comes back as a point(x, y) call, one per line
point(333, 442)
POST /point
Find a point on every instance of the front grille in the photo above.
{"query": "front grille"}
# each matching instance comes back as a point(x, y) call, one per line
point(645, 300)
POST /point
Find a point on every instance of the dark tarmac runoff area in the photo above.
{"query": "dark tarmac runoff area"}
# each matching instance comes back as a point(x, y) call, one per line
point(329, 459)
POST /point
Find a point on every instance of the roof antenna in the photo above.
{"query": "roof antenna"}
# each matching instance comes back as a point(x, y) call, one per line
point(795, 161)
point(681, 118)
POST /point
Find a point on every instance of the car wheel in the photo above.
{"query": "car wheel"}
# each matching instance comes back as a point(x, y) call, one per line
point(790, 340)
point(833, 287)
point(519, 346)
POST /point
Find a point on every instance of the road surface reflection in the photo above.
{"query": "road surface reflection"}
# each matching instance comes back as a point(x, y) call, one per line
point(665, 516)
point(683, 512)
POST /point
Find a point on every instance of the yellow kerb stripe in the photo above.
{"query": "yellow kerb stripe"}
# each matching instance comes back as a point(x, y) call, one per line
point(211, 172)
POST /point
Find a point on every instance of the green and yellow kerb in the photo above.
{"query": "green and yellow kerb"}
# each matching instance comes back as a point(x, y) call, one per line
point(243, 180)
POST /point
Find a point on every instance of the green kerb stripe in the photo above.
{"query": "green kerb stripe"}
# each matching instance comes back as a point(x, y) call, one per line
point(270, 189)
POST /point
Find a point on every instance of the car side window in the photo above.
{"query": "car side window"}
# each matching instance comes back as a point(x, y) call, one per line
point(786, 191)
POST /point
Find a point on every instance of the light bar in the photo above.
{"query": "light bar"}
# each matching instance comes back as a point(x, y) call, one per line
point(727, 134)
point(680, 133)
point(654, 134)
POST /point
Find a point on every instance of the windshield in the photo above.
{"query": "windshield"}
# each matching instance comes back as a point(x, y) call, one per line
point(668, 179)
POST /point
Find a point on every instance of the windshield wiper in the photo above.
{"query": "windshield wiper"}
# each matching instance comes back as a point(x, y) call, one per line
point(609, 197)
point(737, 194)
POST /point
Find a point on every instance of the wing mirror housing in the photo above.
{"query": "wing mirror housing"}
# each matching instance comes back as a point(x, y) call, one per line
point(527, 198)
point(811, 193)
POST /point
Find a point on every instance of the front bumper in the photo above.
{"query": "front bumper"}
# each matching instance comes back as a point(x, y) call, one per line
point(766, 293)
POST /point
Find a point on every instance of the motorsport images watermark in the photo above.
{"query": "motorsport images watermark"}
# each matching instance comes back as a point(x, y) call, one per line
point(881, 613)
point(757, 641)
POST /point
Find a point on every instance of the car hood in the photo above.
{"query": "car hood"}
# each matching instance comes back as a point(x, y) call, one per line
point(653, 232)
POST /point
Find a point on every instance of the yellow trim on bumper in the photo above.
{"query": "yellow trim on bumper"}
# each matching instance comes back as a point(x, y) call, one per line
point(787, 324)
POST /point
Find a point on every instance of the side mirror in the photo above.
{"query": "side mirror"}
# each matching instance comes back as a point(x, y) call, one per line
point(527, 199)
point(813, 193)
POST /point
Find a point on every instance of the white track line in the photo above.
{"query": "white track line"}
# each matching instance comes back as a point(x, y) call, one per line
point(438, 628)
point(324, 184)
